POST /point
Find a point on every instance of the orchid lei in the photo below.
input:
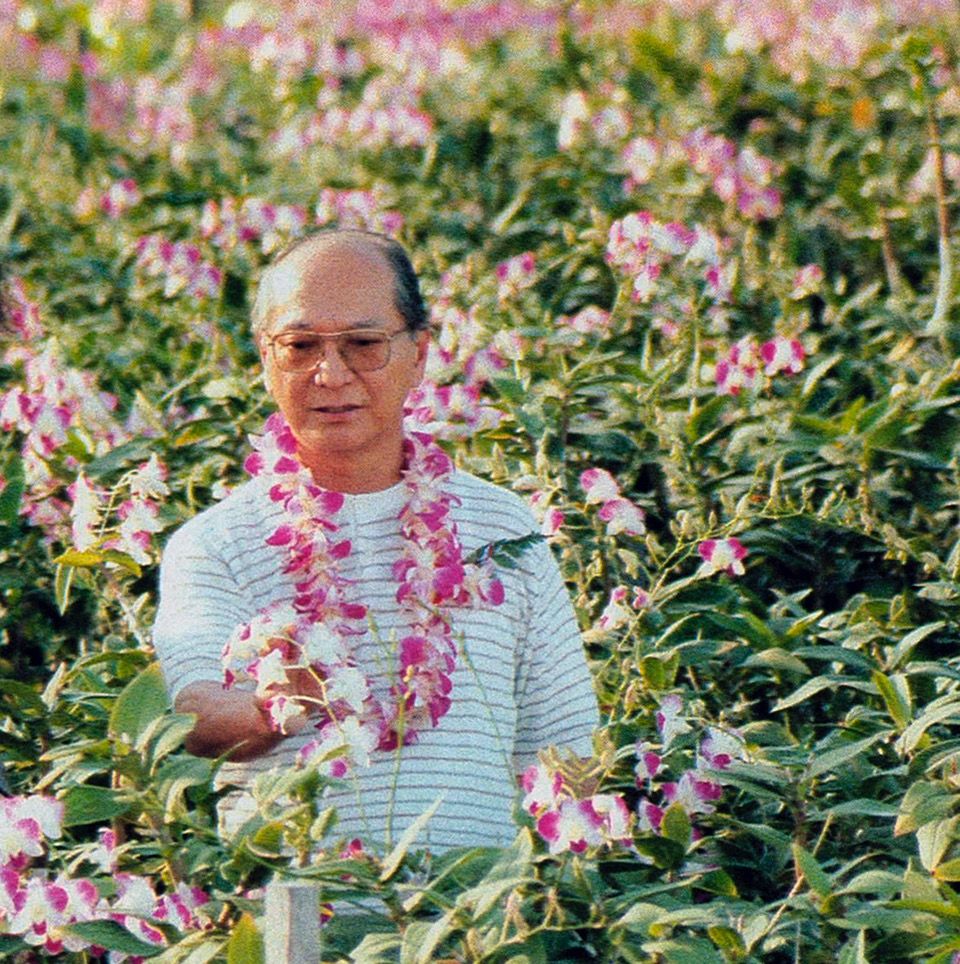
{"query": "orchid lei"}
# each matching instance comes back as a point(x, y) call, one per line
point(313, 632)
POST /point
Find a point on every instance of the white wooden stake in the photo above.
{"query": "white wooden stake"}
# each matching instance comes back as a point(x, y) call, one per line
point(292, 927)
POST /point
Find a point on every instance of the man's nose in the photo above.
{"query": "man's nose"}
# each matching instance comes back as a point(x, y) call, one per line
point(332, 370)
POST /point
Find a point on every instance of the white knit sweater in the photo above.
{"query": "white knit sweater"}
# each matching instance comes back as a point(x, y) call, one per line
point(521, 681)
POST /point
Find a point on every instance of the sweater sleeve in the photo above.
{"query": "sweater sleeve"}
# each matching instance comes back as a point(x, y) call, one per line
point(555, 698)
point(200, 606)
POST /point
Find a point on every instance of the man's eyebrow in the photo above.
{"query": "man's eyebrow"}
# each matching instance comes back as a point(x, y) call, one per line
point(302, 324)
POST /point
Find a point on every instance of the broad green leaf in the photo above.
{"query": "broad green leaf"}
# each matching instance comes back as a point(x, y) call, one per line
point(393, 860)
point(413, 939)
point(728, 941)
point(245, 945)
point(11, 494)
point(939, 711)
point(779, 659)
point(837, 758)
point(923, 803)
point(377, 949)
point(684, 950)
point(428, 940)
point(87, 804)
point(873, 882)
point(676, 825)
point(74, 557)
point(904, 649)
point(948, 870)
point(175, 777)
point(895, 691)
point(121, 457)
point(718, 882)
point(855, 951)
point(863, 808)
point(640, 917)
point(112, 936)
point(817, 880)
point(934, 840)
point(142, 701)
point(818, 685)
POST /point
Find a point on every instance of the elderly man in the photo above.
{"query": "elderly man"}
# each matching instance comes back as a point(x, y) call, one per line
point(352, 543)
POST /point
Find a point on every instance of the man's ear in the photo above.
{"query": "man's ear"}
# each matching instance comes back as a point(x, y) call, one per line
point(423, 346)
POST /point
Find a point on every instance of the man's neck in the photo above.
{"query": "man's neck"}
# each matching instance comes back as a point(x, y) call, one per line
point(352, 476)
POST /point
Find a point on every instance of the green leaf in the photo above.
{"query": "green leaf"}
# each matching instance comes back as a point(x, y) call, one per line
point(12, 493)
point(818, 685)
point(835, 759)
point(934, 840)
point(728, 941)
point(939, 711)
point(86, 804)
point(142, 701)
point(377, 949)
point(923, 803)
point(73, 557)
point(393, 860)
point(505, 552)
point(640, 917)
point(948, 870)
point(817, 880)
point(413, 938)
point(895, 691)
point(676, 825)
point(428, 940)
point(855, 951)
point(717, 882)
point(112, 936)
point(121, 457)
point(779, 659)
point(245, 945)
point(904, 649)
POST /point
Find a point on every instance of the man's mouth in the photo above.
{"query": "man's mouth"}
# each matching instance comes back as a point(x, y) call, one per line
point(335, 409)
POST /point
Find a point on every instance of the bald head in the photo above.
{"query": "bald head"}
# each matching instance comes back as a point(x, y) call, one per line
point(331, 246)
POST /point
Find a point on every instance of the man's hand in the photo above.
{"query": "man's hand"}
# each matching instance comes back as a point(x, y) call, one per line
point(228, 721)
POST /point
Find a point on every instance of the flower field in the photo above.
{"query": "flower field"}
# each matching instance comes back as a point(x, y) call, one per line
point(692, 270)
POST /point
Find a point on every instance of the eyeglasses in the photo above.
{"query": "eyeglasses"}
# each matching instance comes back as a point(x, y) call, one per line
point(362, 349)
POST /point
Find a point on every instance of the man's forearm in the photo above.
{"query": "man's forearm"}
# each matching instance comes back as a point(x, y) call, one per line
point(228, 721)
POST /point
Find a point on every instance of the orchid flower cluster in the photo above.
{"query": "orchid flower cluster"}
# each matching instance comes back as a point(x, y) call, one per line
point(313, 633)
point(640, 247)
point(230, 222)
point(834, 33)
point(181, 266)
point(388, 115)
point(366, 210)
point(450, 403)
point(571, 823)
point(748, 365)
point(138, 515)
point(742, 178)
point(118, 198)
point(52, 405)
point(696, 790)
point(622, 517)
point(717, 556)
point(38, 907)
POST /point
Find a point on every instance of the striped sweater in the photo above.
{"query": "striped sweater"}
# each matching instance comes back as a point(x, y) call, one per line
point(521, 680)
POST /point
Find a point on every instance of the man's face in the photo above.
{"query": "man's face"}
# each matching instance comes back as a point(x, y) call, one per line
point(338, 415)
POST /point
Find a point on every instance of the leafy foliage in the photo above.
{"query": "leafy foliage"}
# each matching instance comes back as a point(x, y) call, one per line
point(705, 250)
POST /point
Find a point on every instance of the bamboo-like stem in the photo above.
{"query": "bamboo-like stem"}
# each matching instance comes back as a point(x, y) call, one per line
point(938, 323)
point(891, 267)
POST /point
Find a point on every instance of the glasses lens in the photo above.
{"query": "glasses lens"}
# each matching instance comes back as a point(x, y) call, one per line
point(362, 351)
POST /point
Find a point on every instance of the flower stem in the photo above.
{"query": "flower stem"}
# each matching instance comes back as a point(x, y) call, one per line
point(937, 325)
